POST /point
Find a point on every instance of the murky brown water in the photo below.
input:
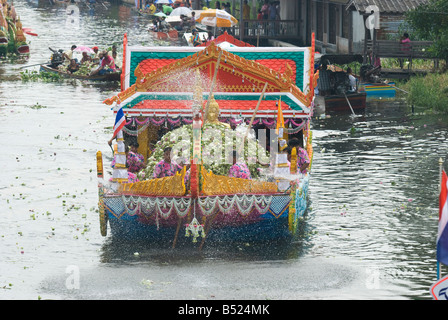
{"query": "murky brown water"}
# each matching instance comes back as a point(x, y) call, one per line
point(370, 232)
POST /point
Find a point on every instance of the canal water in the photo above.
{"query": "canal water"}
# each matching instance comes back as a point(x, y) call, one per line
point(369, 233)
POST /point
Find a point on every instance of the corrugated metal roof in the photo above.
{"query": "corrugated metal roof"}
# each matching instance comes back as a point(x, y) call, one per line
point(386, 6)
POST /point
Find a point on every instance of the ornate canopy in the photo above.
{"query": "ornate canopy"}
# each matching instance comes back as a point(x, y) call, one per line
point(159, 81)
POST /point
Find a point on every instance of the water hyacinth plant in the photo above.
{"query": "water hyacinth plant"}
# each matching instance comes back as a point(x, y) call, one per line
point(218, 142)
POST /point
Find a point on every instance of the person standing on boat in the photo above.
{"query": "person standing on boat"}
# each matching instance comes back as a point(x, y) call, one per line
point(195, 38)
point(114, 54)
point(303, 160)
point(323, 82)
point(352, 79)
point(166, 167)
point(68, 55)
point(132, 177)
point(135, 160)
point(239, 169)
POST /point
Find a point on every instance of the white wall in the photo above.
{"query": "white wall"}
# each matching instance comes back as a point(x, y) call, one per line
point(358, 27)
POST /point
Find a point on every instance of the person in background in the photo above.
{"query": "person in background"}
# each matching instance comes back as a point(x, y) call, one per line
point(114, 54)
point(195, 38)
point(405, 44)
point(227, 7)
point(152, 8)
point(96, 55)
point(73, 66)
point(164, 25)
point(193, 19)
point(246, 16)
point(272, 12)
point(323, 82)
point(352, 79)
point(167, 9)
point(107, 65)
point(68, 55)
point(210, 37)
point(85, 58)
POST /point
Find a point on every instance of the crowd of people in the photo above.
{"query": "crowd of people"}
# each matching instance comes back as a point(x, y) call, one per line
point(96, 62)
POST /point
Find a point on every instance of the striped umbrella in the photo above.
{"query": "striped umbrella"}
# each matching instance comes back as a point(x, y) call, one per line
point(216, 18)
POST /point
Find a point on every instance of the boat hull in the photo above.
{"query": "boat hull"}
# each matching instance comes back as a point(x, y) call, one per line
point(155, 219)
point(379, 90)
point(115, 76)
point(339, 102)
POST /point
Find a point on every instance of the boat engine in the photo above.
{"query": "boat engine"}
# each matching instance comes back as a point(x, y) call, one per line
point(56, 58)
point(369, 73)
point(340, 83)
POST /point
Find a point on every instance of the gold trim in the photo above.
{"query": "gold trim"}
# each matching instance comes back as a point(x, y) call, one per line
point(166, 186)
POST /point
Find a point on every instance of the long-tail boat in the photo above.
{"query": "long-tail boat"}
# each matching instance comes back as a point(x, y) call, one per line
point(172, 95)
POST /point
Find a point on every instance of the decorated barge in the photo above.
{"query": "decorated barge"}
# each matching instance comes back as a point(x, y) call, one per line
point(12, 35)
point(204, 104)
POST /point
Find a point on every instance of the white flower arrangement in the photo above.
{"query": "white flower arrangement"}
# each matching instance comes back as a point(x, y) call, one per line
point(218, 142)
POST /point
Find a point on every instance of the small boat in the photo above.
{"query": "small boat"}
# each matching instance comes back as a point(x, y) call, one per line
point(342, 102)
point(379, 90)
point(173, 34)
point(114, 76)
point(339, 95)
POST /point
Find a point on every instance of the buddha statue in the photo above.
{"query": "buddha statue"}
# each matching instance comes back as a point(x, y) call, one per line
point(213, 114)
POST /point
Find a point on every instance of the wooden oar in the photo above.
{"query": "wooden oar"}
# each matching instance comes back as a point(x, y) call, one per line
point(33, 65)
point(349, 104)
point(253, 118)
point(395, 87)
point(255, 112)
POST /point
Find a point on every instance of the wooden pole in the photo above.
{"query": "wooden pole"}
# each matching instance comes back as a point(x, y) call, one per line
point(212, 86)
point(241, 147)
point(255, 111)
point(350, 105)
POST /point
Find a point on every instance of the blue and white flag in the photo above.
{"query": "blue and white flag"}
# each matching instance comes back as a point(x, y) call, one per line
point(120, 121)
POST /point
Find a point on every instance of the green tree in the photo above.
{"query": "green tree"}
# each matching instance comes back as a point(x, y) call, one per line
point(430, 22)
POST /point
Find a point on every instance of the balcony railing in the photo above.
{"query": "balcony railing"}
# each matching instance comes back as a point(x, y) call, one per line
point(264, 29)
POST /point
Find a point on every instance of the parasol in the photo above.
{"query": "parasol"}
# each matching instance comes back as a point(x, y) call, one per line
point(160, 14)
point(163, 1)
point(84, 49)
point(216, 18)
point(181, 10)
